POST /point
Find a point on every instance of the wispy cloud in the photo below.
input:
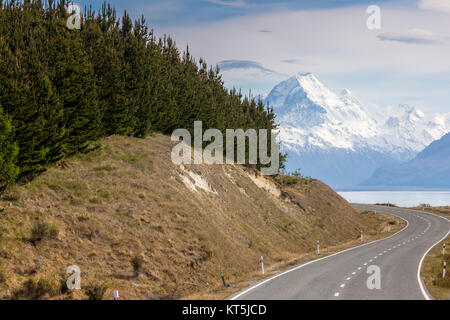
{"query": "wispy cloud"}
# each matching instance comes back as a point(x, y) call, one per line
point(435, 5)
point(235, 4)
point(412, 36)
point(297, 61)
point(227, 65)
point(265, 31)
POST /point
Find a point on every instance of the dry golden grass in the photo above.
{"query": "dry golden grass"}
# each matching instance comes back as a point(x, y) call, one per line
point(441, 211)
point(432, 272)
point(127, 199)
point(433, 263)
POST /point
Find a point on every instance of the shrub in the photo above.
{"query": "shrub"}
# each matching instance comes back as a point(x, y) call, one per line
point(95, 291)
point(63, 284)
point(387, 205)
point(43, 230)
point(11, 195)
point(297, 173)
point(287, 180)
point(34, 289)
point(137, 261)
point(440, 282)
point(2, 274)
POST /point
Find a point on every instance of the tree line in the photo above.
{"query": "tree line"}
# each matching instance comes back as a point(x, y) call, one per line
point(62, 89)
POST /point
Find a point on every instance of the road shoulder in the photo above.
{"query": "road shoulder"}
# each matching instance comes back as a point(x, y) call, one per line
point(432, 268)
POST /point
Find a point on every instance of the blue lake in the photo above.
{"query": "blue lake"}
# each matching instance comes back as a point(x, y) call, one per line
point(399, 198)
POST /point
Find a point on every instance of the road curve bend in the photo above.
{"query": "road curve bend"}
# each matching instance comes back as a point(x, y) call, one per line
point(344, 275)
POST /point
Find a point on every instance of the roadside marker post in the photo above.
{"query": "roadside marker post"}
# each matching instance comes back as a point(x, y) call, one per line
point(443, 272)
point(116, 295)
point(318, 248)
point(262, 265)
point(223, 280)
point(389, 227)
point(362, 237)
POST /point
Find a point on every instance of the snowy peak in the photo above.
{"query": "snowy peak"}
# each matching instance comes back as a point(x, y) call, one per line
point(300, 86)
point(311, 115)
point(346, 93)
point(305, 93)
point(315, 116)
point(413, 114)
point(315, 120)
point(309, 82)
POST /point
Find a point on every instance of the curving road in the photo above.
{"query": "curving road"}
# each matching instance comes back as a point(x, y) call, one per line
point(344, 275)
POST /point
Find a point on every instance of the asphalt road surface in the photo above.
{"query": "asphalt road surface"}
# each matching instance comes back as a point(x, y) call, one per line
point(344, 275)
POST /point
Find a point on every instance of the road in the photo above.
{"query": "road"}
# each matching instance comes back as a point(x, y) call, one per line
point(344, 275)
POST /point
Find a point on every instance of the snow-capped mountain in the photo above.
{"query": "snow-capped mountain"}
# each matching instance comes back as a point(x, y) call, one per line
point(334, 138)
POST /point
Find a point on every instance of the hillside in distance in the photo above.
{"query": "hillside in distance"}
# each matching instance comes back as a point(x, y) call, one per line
point(429, 169)
point(334, 138)
point(187, 223)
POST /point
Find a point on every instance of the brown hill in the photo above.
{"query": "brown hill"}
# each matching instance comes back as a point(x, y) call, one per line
point(127, 200)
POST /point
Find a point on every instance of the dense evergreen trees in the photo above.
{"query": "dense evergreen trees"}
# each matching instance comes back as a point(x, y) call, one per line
point(8, 152)
point(61, 89)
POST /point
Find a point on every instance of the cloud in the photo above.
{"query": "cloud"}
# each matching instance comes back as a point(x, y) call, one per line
point(227, 65)
point(235, 4)
point(265, 31)
point(435, 5)
point(337, 47)
point(297, 61)
point(412, 36)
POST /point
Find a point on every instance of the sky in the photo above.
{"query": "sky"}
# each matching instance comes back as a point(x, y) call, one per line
point(257, 44)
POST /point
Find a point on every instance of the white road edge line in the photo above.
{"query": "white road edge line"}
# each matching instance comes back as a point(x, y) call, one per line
point(313, 261)
point(419, 278)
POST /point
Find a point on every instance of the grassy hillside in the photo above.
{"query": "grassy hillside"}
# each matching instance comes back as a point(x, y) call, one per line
point(180, 225)
point(433, 263)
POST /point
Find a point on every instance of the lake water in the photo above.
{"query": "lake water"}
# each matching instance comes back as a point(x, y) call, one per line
point(399, 198)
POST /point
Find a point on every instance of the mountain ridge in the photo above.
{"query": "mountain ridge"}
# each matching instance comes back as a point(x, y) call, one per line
point(321, 130)
point(428, 169)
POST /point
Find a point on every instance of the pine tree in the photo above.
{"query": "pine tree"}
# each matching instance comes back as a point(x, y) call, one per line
point(8, 152)
point(73, 76)
point(62, 89)
point(28, 95)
